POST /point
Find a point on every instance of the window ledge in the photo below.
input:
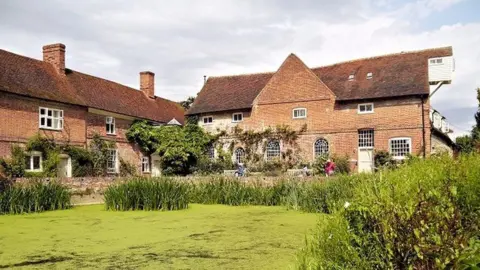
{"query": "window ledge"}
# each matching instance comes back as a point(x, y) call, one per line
point(51, 129)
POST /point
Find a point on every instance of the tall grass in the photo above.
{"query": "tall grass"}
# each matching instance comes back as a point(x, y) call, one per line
point(34, 197)
point(147, 194)
point(421, 216)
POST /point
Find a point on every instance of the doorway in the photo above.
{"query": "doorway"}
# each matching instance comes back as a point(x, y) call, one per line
point(156, 166)
point(64, 168)
point(365, 159)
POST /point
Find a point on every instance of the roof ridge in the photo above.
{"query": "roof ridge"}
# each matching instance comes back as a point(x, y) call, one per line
point(383, 55)
point(243, 74)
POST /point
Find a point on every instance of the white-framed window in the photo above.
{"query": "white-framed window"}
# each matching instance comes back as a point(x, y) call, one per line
point(320, 147)
point(366, 138)
point(273, 150)
point(400, 147)
point(112, 161)
point(237, 117)
point(110, 125)
point(365, 108)
point(351, 77)
point(239, 155)
point(369, 75)
point(436, 61)
point(299, 113)
point(211, 151)
point(145, 164)
point(50, 118)
point(207, 120)
point(33, 162)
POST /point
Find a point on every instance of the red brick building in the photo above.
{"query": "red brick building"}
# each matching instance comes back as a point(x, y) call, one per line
point(350, 109)
point(48, 98)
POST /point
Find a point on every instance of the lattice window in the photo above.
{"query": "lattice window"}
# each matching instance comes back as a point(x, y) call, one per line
point(110, 125)
point(366, 138)
point(400, 147)
point(145, 164)
point(239, 155)
point(51, 118)
point(273, 150)
point(321, 147)
point(211, 151)
point(112, 161)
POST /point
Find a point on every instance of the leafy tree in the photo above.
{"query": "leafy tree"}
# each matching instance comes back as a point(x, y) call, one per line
point(187, 103)
point(180, 148)
point(465, 144)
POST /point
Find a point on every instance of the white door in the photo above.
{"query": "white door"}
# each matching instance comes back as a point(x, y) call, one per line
point(365, 159)
point(64, 169)
point(156, 166)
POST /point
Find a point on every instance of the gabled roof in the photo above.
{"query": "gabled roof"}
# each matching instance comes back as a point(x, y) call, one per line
point(34, 78)
point(394, 75)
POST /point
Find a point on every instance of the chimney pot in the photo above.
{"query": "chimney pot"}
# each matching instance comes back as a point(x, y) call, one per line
point(147, 83)
point(54, 54)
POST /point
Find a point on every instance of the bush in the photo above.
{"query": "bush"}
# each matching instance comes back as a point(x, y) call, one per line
point(342, 164)
point(34, 197)
point(147, 194)
point(14, 166)
point(421, 216)
point(318, 165)
point(383, 159)
point(127, 168)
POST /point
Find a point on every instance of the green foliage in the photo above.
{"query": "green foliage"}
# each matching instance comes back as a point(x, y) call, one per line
point(342, 164)
point(180, 148)
point(147, 194)
point(82, 161)
point(15, 165)
point(34, 197)
point(420, 216)
point(127, 168)
point(187, 103)
point(318, 165)
point(221, 190)
point(98, 149)
point(383, 160)
point(465, 144)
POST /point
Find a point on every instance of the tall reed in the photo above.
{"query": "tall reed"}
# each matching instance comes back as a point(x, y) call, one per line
point(34, 197)
point(147, 194)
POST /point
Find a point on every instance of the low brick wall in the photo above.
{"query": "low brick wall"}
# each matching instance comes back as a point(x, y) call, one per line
point(96, 185)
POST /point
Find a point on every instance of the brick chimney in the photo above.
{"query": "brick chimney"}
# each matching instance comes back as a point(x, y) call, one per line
point(55, 55)
point(147, 83)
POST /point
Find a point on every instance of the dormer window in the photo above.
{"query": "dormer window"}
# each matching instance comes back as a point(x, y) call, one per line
point(351, 77)
point(369, 75)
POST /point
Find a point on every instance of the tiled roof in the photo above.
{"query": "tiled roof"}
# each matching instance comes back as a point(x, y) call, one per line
point(394, 75)
point(34, 78)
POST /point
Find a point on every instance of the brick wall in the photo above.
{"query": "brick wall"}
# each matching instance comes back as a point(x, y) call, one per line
point(20, 121)
point(295, 86)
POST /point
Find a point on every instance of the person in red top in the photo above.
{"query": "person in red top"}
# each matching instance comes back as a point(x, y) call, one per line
point(329, 168)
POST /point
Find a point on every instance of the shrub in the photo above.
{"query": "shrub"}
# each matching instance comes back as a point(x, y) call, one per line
point(127, 168)
point(383, 159)
point(147, 194)
point(342, 164)
point(318, 165)
point(14, 166)
point(34, 197)
point(421, 216)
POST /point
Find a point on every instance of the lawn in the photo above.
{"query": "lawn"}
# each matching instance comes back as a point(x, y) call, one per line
point(201, 237)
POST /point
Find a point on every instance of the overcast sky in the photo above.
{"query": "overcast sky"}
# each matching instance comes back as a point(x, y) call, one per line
point(183, 40)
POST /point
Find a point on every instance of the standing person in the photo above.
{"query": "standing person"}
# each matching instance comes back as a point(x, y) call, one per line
point(329, 168)
point(240, 170)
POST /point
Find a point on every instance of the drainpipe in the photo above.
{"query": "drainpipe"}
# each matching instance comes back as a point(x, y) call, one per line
point(423, 129)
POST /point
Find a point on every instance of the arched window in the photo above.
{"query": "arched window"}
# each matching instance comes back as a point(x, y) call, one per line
point(273, 150)
point(239, 155)
point(321, 147)
point(210, 151)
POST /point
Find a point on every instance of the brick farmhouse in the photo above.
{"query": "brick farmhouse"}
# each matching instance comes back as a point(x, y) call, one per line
point(48, 98)
point(350, 109)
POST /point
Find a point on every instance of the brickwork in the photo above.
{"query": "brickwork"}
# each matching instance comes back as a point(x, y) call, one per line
point(55, 55)
point(294, 86)
point(147, 83)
